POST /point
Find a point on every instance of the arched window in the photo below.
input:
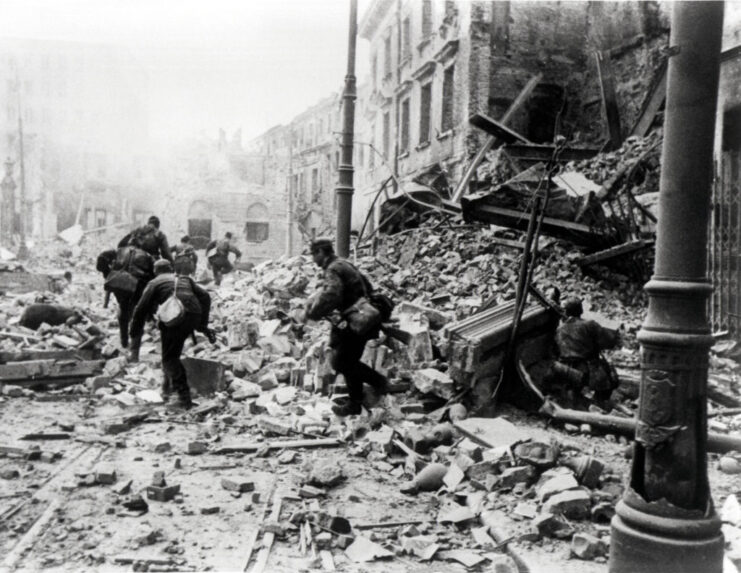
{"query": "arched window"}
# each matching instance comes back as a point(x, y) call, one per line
point(256, 229)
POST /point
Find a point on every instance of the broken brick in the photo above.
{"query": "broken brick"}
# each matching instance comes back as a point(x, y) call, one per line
point(196, 448)
point(162, 493)
point(237, 484)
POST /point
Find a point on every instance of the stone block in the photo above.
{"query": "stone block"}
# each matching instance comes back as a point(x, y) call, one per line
point(432, 381)
point(556, 485)
point(549, 525)
point(274, 426)
point(162, 493)
point(587, 547)
point(573, 504)
point(240, 485)
point(195, 448)
point(105, 474)
point(519, 474)
point(205, 377)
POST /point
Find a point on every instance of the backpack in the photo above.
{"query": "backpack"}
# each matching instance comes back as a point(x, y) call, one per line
point(145, 237)
point(172, 311)
point(384, 304)
point(119, 280)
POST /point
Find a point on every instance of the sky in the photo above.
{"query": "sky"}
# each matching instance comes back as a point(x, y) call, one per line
point(248, 64)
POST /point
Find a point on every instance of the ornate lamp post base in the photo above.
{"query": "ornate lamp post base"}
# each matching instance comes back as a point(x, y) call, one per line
point(644, 542)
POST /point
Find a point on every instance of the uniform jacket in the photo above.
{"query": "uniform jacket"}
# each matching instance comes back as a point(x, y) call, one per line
point(187, 251)
point(342, 286)
point(223, 248)
point(583, 339)
point(155, 242)
point(194, 299)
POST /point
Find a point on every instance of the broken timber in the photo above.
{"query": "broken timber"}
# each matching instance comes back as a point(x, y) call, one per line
point(614, 252)
point(653, 103)
point(288, 444)
point(477, 208)
point(528, 155)
point(497, 129)
point(26, 355)
point(609, 98)
point(491, 140)
point(58, 372)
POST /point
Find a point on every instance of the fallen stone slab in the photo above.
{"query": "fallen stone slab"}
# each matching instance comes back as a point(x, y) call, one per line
point(573, 504)
point(205, 377)
point(555, 486)
point(491, 432)
point(363, 550)
point(464, 556)
point(432, 381)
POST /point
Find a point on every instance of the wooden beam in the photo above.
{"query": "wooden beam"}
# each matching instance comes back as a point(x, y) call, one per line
point(614, 252)
point(609, 98)
point(277, 445)
point(268, 539)
point(652, 104)
point(35, 372)
point(491, 140)
point(25, 355)
point(496, 129)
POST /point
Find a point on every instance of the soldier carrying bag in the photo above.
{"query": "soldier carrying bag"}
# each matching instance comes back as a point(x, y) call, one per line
point(172, 311)
point(120, 280)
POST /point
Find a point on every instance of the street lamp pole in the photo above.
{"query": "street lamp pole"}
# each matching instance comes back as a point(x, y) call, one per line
point(344, 187)
point(666, 521)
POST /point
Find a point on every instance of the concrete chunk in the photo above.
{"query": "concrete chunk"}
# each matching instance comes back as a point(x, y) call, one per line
point(432, 381)
point(573, 504)
point(587, 547)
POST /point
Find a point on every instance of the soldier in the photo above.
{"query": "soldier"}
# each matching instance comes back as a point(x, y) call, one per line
point(579, 344)
point(150, 239)
point(185, 259)
point(136, 263)
point(218, 256)
point(343, 286)
point(196, 304)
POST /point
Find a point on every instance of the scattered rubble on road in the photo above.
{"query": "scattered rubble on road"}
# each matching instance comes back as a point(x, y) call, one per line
point(96, 473)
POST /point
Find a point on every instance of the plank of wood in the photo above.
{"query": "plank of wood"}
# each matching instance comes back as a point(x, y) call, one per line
point(387, 524)
point(268, 539)
point(253, 538)
point(38, 371)
point(276, 445)
point(609, 98)
point(48, 436)
point(29, 539)
point(491, 140)
point(26, 355)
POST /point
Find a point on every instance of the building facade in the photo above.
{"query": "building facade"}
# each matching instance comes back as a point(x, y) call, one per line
point(77, 110)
